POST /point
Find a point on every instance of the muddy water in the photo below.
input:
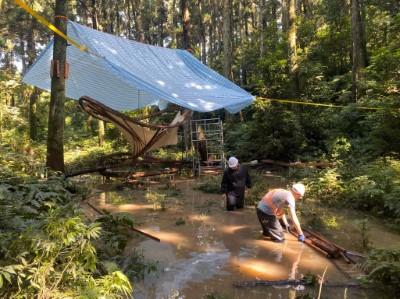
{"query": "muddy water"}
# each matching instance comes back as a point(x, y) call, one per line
point(214, 250)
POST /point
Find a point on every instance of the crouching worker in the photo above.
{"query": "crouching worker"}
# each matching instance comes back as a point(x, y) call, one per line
point(271, 212)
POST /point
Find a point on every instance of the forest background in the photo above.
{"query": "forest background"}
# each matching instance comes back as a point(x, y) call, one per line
point(338, 61)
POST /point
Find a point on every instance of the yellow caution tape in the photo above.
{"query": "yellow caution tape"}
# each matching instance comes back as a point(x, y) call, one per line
point(327, 105)
point(51, 26)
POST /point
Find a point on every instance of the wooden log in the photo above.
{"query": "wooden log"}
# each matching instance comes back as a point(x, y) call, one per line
point(294, 164)
point(294, 282)
point(319, 235)
point(333, 251)
point(313, 164)
point(321, 242)
point(268, 161)
point(346, 258)
point(340, 250)
point(355, 253)
point(145, 234)
point(85, 171)
point(309, 243)
point(147, 173)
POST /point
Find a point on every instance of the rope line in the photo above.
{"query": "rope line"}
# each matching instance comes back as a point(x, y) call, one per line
point(326, 105)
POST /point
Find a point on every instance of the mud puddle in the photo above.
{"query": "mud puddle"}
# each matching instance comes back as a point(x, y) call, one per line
point(204, 251)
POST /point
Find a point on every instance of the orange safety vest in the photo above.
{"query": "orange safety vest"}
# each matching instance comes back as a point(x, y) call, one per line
point(268, 199)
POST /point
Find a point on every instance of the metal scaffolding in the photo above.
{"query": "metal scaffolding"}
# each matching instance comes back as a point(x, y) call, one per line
point(208, 143)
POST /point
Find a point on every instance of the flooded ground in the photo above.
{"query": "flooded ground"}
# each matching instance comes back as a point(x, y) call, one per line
point(205, 251)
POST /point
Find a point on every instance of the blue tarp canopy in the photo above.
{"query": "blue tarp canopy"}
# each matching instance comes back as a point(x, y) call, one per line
point(127, 75)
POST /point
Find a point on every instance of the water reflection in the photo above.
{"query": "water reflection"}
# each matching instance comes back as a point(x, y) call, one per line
point(175, 274)
point(247, 251)
point(205, 235)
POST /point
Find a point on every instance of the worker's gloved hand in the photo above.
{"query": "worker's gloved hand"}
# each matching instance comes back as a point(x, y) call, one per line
point(301, 238)
point(286, 228)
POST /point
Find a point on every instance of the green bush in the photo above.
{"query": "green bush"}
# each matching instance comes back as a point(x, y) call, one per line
point(326, 186)
point(383, 268)
point(212, 184)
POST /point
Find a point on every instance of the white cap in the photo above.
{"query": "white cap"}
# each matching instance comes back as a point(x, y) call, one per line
point(299, 189)
point(233, 162)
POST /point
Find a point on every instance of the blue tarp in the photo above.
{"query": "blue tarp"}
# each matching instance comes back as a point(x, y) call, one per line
point(127, 75)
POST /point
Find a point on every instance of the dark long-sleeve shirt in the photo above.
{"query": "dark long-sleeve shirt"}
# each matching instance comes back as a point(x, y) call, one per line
point(235, 180)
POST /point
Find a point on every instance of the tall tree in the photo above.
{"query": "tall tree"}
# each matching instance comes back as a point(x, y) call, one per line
point(55, 137)
point(187, 43)
point(34, 97)
point(285, 15)
point(227, 36)
point(294, 68)
point(262, 24)
point(202, 33)
point(101, 126)
point(137, 16)
point(358, 48)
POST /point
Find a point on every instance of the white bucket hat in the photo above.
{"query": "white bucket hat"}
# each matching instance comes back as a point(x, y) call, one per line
point(233, 162)
point(299, 189)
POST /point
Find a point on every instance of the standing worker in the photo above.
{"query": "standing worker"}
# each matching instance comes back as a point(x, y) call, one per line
point(233, 185)
point(271, 213)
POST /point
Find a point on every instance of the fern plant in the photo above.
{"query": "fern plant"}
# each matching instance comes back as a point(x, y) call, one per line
point(47, 245)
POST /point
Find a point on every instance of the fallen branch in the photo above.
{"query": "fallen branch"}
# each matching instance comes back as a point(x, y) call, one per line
point(131, 227)
point(294, 164)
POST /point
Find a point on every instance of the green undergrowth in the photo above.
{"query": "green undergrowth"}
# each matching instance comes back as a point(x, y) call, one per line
point(50, 249)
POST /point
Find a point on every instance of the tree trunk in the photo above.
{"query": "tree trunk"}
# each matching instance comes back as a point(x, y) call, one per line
point(262, 25)
point(34, 97)
point(227, 40)
point(55, 142)
point(186, 26)
point(294, 68)
point(101, 133)
point(285, 15)
point(174, 24)
point(211, 34)
point(357, 49)
point(274, 9)
point(203, 33)
point(273, 21)
point(243, 71)
point(100, 122)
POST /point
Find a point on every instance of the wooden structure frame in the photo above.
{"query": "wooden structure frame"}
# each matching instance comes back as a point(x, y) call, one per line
point(141, 135)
